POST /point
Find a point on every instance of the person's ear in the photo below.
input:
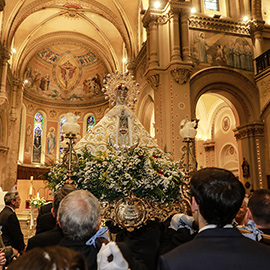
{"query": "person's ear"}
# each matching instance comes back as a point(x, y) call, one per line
point(99, 223)
point(57, 221)
point(248, 216)
point(52, 212)
point(194, 205)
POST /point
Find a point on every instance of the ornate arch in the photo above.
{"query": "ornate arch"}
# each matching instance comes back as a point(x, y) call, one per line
point(31, 49)
point(234, 86)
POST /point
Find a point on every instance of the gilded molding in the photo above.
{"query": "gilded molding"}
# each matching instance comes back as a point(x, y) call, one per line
point(221, 25)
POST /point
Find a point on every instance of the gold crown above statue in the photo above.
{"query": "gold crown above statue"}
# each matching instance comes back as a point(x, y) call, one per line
point(120, 89)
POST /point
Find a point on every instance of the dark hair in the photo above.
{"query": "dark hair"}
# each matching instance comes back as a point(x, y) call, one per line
point(60, 194)
point(218, 193)
point(259, 205)
point(10, 196)
point(47, 258)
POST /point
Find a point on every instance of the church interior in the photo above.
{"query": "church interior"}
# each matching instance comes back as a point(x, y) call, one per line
point(203, 60)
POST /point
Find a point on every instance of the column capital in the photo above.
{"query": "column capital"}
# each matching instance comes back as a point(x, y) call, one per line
point(249, 130)
point(256, 26)
point(16, 82)
point(5, 53)
point(148, 18)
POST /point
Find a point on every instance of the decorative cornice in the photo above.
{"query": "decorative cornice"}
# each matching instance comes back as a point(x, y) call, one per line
point(209, 146)
point(154, 81)
point(221, 25)
point(180, 5)
point(250, 130)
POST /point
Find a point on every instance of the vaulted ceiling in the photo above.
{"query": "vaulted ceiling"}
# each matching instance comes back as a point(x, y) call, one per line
point(96, 35)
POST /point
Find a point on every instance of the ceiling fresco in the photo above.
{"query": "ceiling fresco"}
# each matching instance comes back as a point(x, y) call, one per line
point(65, 72)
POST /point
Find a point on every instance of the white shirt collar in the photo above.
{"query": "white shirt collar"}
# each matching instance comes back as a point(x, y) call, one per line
point(213, 226)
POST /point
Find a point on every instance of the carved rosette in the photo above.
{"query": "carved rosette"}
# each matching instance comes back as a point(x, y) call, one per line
point(181, 75)
point(132, 212)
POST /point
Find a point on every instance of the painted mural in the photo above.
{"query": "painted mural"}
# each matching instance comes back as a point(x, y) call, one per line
point(221, 49)
point(73, 75)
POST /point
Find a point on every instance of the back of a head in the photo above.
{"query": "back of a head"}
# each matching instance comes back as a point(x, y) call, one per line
point(61, 194)
point(259, 205)
point(79, 214)
point(218, 193)
point(48, 258)
point(10, 196)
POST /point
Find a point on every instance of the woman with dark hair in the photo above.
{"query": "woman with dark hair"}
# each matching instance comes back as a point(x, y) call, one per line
point(48, 258)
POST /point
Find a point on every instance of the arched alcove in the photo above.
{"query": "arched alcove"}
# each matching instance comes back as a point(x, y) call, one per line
point(242, 93)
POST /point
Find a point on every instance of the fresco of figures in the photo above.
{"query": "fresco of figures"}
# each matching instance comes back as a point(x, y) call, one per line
point(72, 75)
point(221, 50)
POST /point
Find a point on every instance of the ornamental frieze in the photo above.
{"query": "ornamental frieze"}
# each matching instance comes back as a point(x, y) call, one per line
point(249, 131)
point(209, 23)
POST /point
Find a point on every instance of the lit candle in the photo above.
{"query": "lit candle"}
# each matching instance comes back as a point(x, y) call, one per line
point(38, 195)
point(31, 186)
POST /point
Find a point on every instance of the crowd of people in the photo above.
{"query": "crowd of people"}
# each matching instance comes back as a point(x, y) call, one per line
point(227, 230)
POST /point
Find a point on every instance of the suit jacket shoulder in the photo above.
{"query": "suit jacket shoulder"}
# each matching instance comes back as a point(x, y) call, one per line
point(221, 249)
point(48, 238)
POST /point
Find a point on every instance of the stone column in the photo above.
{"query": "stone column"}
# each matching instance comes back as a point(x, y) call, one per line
point(153, 61)
point(3, 93)
point(185, 35)
point(256, 27)
point(16, 85)
point(175, 36)
point(253, 150)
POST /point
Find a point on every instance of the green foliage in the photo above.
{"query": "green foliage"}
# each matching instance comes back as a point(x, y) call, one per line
point(116, 173)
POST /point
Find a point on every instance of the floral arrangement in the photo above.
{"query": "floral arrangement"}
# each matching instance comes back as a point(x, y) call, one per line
point(37, 202)
point(116, 173)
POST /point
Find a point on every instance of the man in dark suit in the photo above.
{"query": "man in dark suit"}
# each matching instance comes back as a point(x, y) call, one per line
point(216, 198)
point(259, 209)
point(79, 218)
point(45, 220)
point(11, 230)
point(54, 236)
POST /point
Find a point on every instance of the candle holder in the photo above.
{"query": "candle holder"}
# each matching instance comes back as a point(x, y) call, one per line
point(70, 157)
point(70, 128)
point(188, 160)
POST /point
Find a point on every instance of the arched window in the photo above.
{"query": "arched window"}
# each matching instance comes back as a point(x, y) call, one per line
point(37, 140)
point(212, 5)
point(91, 121)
